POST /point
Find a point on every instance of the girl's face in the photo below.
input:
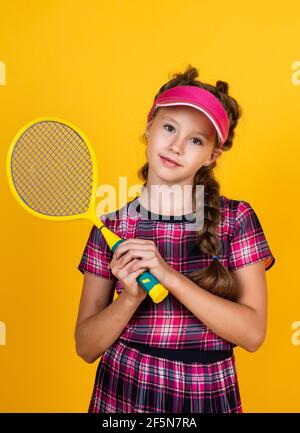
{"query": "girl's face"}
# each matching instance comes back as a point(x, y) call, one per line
point(185, 135)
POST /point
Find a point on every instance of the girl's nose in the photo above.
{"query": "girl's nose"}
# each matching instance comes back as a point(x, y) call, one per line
point(177, 145)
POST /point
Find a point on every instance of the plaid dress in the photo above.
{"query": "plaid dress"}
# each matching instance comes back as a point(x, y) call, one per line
point(128, 380)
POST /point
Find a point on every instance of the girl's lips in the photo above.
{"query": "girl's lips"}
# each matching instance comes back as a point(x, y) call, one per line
point(168, 163)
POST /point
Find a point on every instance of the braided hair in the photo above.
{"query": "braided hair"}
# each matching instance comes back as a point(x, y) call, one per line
point(215, 278)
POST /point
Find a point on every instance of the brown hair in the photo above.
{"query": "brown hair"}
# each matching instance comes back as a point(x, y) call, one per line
point(214, 278)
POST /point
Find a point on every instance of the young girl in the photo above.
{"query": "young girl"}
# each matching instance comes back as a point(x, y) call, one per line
point(177, 355)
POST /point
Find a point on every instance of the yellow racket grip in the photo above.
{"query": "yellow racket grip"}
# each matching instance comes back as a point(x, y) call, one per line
point(155, 290)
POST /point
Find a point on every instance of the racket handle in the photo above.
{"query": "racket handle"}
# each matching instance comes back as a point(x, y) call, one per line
point(155, 290)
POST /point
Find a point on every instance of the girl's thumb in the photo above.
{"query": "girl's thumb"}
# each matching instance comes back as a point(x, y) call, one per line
point(139, 271)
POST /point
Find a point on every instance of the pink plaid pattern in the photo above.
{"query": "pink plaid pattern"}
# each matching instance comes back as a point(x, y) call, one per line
point(128, 380)
point(170, 324)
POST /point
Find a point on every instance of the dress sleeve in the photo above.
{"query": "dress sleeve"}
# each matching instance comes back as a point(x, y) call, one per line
point(96, 256)
point(248, 244)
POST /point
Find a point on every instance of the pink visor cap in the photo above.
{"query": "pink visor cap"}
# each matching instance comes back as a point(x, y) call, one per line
point(199, 98)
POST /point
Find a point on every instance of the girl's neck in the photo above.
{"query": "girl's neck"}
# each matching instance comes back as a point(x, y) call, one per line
point(164, 201)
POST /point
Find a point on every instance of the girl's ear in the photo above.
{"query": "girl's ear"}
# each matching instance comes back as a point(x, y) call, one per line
point(214, 156)
point(147, 129)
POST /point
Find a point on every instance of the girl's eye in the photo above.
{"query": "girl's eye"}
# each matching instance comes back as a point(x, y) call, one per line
point(200, 141)
point(170, 126)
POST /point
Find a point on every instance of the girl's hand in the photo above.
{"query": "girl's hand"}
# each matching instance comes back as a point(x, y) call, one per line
point(148, 258)
point(128, 278)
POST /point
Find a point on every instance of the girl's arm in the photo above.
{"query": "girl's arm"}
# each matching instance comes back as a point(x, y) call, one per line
point(243, 322)
point(100, 322)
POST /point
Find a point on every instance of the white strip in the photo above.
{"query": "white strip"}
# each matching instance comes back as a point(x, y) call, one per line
point(198, 108)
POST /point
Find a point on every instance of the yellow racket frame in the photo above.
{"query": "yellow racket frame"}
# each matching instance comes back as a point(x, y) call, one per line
point(158, 292)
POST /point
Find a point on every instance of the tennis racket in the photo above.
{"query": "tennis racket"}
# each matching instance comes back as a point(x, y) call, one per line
point(52, 172)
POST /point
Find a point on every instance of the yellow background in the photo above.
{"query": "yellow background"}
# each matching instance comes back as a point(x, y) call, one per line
point(99, 65)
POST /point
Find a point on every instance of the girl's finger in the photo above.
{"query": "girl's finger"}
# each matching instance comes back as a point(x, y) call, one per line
point(126, 269)
point(141, 263)
point(133, 275)
point(130, 263)
point(136, 253)
point(120, 271)
point(145, 245)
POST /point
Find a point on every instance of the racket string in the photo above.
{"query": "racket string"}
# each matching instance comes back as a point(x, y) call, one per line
point(66, 167)
point(52, 169)
point(40, 170)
